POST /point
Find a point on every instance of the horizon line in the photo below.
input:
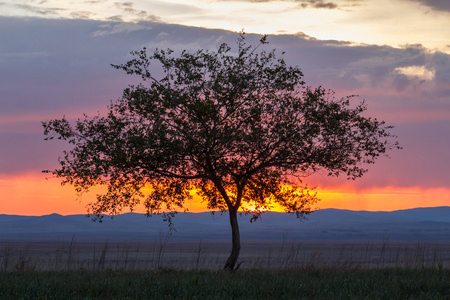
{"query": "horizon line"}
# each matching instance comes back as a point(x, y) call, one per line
point(217, 211)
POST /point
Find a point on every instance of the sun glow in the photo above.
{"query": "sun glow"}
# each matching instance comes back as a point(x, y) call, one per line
point(420, 72)
point(252, 208)
point(35, 195)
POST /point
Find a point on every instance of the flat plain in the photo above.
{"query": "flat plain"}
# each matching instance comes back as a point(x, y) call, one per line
point(333, 255)
point(191, 269)
point(133, 254)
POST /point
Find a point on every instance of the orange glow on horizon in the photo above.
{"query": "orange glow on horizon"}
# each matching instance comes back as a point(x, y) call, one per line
point(383, 198)
point(251, 208)
point(36, 195)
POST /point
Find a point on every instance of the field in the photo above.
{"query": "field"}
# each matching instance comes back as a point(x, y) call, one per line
point(76, 254)
point(165, 269)
point(244, 284)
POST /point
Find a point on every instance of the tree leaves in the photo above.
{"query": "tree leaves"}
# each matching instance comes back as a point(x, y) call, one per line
point(236, 128)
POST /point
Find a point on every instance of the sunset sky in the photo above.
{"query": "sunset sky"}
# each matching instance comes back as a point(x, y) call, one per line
point(55, 61)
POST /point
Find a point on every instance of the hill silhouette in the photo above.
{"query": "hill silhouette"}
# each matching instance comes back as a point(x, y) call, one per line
point(326, 224)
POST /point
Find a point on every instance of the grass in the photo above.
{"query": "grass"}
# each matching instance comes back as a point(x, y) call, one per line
point(244, 284)
point(164, 270)
point(73, 255)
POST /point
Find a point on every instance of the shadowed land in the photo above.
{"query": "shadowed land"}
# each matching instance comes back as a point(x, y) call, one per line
point(244, 284)
point(419, 224)
point(383, 257)
point(131, 255)
point(330, 238)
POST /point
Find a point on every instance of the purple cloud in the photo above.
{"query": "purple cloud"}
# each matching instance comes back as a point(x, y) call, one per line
point(443, 5)
point(62, 67)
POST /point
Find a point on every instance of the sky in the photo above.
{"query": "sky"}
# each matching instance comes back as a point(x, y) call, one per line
point(55, 61)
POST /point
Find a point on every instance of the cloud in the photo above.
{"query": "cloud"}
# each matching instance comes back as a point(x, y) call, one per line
point(135, 15)
point(115, 28)
point(358, 67)
point(303, 3)
point(34, 10)
point(407, 87)
point(62, 67)
point(124, 4)
point(401, 82)
point(417, 72)
point(82, 15)
point(318, 4)
point(115, 18)
point(440, 5)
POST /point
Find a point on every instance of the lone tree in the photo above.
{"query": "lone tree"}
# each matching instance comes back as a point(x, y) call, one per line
point(240, 130)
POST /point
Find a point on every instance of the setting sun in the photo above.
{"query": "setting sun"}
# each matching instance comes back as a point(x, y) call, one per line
point(35, 195)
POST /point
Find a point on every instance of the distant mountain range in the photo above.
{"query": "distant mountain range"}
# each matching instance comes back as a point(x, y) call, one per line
point(326, 224)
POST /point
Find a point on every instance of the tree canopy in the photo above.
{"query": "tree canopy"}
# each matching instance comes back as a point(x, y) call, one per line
point(238, 128)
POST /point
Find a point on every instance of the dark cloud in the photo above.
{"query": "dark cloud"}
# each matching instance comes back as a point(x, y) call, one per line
point(124, 4)
point(36, 10)
point(318, 4)
point(401, 82)
point(82, 15)
point(116, 18)
point(115, 28)
point(303, 3)
point(62, 67)
point(140, 15)
point(421, 163)
point(441, 5)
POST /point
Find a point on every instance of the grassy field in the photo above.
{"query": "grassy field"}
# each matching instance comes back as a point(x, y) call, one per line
point(132, 255)
point(242, 284)
point(164, 269)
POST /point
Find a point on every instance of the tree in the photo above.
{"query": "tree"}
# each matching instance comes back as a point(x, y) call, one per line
point(239, 130)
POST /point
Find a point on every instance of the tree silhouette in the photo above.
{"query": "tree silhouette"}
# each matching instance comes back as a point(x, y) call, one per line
point(238, 129)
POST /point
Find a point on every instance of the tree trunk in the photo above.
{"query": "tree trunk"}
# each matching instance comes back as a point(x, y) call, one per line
point(236, 241)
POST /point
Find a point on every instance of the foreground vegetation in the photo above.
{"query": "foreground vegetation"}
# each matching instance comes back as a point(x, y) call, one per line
point(138, 255)
point(163, 270)
point(243, 284)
